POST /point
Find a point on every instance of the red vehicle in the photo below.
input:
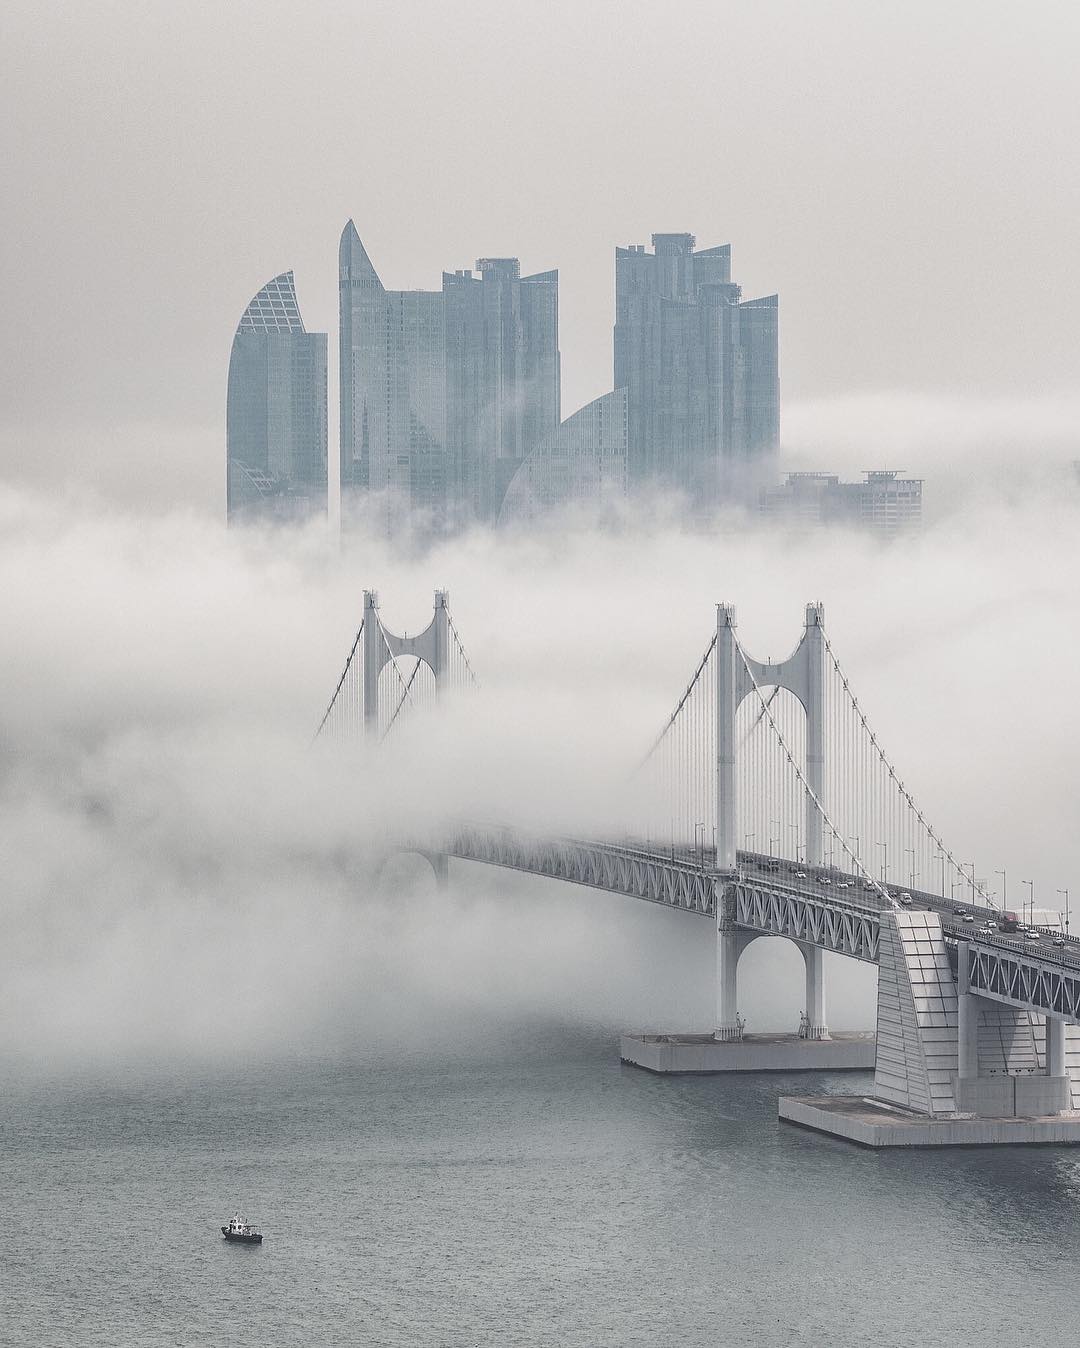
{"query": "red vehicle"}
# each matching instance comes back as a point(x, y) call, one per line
point(1008, 922)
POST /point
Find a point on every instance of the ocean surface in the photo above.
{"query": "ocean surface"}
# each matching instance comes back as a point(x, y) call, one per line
point(537, 1194)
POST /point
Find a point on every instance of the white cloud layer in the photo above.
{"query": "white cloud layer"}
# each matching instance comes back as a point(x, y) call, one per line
point(183, 871)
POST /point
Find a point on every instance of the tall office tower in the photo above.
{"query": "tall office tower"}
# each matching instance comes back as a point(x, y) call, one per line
point(393, 392)
point(502, 357)
point(699, 365)
point(276, 410)
point(581, 464)
point(443, 393)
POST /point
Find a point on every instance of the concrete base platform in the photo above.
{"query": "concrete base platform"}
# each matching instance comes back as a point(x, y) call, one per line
point(753, 1053)
point(871, 1123)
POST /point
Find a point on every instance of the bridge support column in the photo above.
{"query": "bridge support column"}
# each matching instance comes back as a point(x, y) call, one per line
point(374, 658)
point(1055, 1047)
point(967, 1017)
point(440, 661)
point(815, 1025)
point(726, 703)
point(440, 866)
point(815, 731)
point(967, 1036)
point(729, 943)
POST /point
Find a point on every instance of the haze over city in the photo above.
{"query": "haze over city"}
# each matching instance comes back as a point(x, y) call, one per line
point(226, 984)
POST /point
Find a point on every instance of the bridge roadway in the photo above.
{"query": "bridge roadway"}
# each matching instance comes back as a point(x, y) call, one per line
point(818, 905)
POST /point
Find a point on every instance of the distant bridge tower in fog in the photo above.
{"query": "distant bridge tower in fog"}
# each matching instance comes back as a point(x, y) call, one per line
point(385, 672)
point(276, 410)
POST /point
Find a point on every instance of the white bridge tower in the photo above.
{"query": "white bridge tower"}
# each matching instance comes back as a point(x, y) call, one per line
point(737, 676)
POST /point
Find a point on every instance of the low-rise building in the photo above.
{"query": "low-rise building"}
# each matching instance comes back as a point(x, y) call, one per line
point(885, 501)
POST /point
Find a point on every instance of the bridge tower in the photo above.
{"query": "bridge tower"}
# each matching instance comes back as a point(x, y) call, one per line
point(737, 675)
point(431, 647)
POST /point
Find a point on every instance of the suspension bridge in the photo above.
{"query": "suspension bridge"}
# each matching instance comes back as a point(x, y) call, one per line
point(767, 805)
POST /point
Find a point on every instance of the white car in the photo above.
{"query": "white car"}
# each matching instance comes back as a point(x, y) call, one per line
point(968, 918)
point(1031, 936)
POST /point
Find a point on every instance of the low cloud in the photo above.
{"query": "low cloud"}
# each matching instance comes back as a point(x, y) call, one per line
point(185, 873)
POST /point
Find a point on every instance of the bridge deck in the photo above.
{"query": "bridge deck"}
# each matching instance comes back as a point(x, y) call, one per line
point(818, 905)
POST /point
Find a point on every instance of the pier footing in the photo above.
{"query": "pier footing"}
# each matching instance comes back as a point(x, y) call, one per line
point(872, 1123)
point(672, 1053)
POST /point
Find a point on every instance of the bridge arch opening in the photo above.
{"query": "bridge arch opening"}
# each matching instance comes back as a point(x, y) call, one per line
point(771, 985)
point(412, 872)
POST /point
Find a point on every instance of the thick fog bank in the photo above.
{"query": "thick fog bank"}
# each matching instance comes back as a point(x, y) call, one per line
point(186, 873)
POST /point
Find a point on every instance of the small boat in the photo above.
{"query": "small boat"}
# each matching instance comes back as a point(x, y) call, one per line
point(239, 1230)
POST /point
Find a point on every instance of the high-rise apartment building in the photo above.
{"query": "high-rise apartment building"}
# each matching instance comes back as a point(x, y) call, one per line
point(276, 410)
point(443, 393)
point(502, 356)
point(699, 365)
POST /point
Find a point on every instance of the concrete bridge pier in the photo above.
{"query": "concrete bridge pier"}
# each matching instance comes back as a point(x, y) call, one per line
point(730, 1049)
point(814, 1022)
point(730, 943)
point(440, 866)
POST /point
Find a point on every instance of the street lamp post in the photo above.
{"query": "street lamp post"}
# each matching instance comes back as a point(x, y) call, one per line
point(1004, 889)
point(1066, 893)
point(795, 829)
point(884, 861)
point(910, 851)
point(972, 865)
point(1031, 899)
point(700, 846)
point(941, 858)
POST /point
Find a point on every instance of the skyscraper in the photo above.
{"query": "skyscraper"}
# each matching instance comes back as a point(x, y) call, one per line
point(699, 366)
point(502, 352)
point(276, 410)
point(443, 393)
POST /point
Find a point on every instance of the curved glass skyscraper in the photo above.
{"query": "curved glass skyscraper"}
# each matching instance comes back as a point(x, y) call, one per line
point(581, 464)
point(276, 413)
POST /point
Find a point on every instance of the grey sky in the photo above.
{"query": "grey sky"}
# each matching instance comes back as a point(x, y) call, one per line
point(904, 174)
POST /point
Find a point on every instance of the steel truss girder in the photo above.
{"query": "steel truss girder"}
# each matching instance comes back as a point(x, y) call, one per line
point(1008, 976)
point(640, 875)
point(829, 923)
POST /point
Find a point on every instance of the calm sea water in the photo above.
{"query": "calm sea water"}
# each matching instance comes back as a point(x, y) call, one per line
point(535, 1196)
